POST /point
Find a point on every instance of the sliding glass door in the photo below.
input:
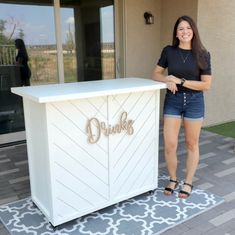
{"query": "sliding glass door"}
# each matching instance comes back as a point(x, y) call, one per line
point(85, 35)
point(33, 23)
point(88, 39)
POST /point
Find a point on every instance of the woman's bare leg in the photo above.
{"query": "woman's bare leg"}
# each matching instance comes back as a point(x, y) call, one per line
point(192, 134)
point(171, 132)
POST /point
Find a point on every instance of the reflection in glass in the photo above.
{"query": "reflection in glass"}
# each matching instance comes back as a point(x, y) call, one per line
point(107, 42)
point(88, 39)
point(69, 46)
point(38, 34)
point(88, 47)
point(35, 25)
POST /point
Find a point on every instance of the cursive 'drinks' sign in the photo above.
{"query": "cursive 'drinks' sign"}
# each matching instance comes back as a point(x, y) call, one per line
point(95, 128)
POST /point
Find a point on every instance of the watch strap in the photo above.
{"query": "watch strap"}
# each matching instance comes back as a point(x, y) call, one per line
point(182, 81)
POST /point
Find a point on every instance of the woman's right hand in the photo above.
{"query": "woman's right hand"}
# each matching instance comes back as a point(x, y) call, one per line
point(172, 78)
point(172, 87)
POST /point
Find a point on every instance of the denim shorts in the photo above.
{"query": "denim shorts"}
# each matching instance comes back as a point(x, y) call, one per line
point(186, 105)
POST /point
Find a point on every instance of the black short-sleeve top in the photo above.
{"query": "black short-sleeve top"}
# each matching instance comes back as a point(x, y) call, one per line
point(182, 64)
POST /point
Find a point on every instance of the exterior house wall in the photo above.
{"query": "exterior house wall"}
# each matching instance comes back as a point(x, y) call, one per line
point(170, 13)
point(142, 41)
point(217, 28)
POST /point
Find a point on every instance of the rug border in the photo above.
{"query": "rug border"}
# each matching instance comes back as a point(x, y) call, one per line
point(190, 217)
point(157, 233)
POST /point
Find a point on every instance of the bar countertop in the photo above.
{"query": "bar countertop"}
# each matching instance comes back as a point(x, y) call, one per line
point(80, 90)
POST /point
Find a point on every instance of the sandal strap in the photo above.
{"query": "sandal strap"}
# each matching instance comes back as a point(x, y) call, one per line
point(174, 181)
point(184, 192)
point(169, 190)
point(190, 185)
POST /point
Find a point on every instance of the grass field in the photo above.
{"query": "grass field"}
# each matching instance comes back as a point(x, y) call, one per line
point(226, 129)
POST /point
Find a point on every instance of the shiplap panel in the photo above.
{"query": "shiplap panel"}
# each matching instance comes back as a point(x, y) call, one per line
point(80, 169)
point(73, 173)
point(133, 156)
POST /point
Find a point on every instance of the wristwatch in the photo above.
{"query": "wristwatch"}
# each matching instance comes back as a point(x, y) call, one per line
point(182, 81)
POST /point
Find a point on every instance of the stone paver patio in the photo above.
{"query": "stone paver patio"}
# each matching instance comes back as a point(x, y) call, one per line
point(216, 173)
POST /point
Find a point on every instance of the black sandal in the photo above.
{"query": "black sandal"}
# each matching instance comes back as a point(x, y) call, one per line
point(185, 193)
point(170, 190)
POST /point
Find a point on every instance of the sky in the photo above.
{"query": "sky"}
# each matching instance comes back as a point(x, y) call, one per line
point(37, 22)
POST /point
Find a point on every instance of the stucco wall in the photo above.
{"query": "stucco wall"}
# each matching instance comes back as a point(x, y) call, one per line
point(171, 10)
point(216, 21)
point(142, 41)
point(145, 42)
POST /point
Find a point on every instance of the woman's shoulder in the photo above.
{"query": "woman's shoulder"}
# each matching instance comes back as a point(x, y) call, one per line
point(169, 48)
point(205, 54)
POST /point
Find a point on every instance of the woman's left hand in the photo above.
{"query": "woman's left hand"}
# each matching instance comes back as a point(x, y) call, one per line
point(172, 87)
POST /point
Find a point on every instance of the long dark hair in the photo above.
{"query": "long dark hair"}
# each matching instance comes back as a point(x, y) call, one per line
point(19, 43)
point(199, 51)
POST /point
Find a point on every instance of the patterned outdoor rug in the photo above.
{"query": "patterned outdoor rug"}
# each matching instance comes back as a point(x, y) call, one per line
point(143, 215)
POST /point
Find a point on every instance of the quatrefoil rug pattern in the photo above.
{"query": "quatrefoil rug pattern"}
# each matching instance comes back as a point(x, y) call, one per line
point(146, 214)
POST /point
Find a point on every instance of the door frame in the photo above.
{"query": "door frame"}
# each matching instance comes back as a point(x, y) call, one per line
point(120, 37)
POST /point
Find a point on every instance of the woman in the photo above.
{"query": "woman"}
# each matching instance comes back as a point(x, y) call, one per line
point(22, 61)
point(189, 74)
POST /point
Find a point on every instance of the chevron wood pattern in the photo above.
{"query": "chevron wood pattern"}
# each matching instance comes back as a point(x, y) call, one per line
point(80, 168)
point(86, 154)
point(133, 156)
